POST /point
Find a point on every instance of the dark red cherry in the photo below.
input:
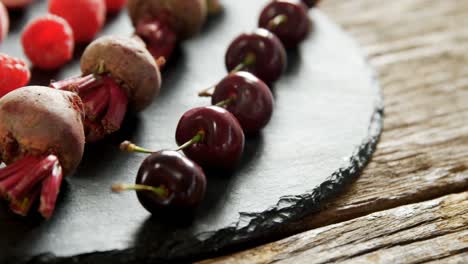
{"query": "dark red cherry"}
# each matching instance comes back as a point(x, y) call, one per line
point(180, 181)
point(260, 53)
point(159, 38)
point(311, 3)
point(222, 141)
point(248, 98)
point(288, 20)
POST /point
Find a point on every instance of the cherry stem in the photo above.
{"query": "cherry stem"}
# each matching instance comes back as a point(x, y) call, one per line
point(206, 92)
point(160, 191)
point(277, 21)
point(128, 146)
point(249, 59)
point(226, 102)
point(197, 138)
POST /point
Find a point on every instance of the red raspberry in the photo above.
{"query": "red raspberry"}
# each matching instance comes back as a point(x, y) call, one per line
point(13, 74)
point(114, 6)
point(86, 17)
point(4, 22)
point(48, 42)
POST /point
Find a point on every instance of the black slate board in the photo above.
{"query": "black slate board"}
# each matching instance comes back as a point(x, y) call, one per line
point(327, 120)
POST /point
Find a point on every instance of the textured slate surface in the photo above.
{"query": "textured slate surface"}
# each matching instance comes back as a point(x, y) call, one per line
point(325, 126)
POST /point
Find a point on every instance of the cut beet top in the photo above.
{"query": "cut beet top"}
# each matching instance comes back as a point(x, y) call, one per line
point(41, 139)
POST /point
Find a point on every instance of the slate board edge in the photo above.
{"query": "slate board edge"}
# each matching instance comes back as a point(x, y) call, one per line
point(288, 209)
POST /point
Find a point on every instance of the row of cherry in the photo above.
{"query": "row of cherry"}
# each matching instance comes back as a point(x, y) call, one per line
point(242, 103)
point(111, 84)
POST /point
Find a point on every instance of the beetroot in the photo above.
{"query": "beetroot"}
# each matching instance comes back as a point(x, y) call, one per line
point(118, 73)
point(41, 139)
point(185, 17)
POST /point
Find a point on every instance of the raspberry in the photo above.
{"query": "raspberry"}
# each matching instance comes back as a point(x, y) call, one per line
point(48, 42)
point(16, 3)
point(114, 6)
point(86, 17)
point(4, 22)
point(13, 74)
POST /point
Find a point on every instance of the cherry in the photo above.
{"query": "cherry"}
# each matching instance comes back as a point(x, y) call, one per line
point(288, 20)
point(260, 53)
point(211, 136)
point(311, 3)
point(168, 182)
point(248, 98)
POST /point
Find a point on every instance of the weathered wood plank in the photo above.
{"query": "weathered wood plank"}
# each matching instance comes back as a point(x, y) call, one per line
point(415, 233)
point(420, 51)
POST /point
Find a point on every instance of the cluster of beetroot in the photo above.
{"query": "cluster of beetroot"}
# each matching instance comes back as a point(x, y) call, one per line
point(44, 129)
point(213, 137)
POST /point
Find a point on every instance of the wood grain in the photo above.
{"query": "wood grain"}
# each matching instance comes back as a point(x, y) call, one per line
point(416, 233)
point(420, 51)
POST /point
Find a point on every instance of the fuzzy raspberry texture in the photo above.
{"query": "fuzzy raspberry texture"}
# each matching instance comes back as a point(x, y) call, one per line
point(16, 4)
point(14, 73)
point(4, 22)
point(86, 17)
point(114, 6)
point(48, 42)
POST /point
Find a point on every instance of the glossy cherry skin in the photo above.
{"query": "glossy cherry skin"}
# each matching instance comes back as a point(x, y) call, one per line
point(184, 180)
point(223, 141)
point(252, 101)
point(296, 25)
point(270, 55)
point(310, 3)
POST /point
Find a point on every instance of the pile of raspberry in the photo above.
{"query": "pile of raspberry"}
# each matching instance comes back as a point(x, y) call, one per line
point(49, 41)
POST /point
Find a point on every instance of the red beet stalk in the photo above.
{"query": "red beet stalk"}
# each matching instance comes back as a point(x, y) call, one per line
point(159, 38)
point(23, 180)
point(105, 103)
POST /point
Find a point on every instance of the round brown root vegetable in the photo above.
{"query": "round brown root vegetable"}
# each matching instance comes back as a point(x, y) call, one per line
point(128, 62)
point(41, 139)
point(118, 73)
point(185, 17)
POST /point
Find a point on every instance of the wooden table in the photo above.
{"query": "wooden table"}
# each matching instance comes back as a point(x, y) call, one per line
point(411, 203)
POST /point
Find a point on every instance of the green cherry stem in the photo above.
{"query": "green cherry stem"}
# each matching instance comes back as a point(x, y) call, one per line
point(197, 138)
point(128, 146)
point(226, 102)
point(206, 92)
point(159, 191)
point(277, 21)
point(249, 60)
